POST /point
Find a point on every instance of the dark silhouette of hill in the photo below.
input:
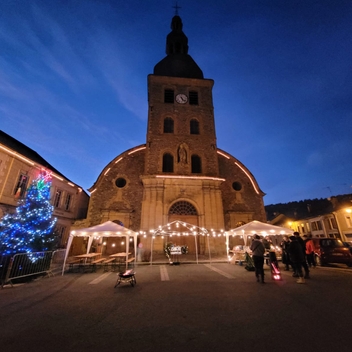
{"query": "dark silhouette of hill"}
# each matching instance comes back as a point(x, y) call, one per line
point(308, 208)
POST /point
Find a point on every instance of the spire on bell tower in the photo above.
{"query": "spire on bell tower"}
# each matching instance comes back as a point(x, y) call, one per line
point(176, 7)
point(177, 63)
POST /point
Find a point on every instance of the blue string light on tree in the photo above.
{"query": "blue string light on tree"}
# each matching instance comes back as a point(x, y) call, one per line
point(30, 228)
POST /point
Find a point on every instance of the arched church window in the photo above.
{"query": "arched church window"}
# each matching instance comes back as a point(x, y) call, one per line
point(168, 125)
point(196, 164)
point(194, 126)
point(183, 208)
point(168, 163)
point(240, 223)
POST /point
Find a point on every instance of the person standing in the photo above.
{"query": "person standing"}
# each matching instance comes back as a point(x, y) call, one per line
point(285, 255)
point(304, 262)
point(310, 251)
point(297, 256)
point(258, 251)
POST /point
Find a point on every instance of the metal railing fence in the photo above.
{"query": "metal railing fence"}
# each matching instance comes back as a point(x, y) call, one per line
point(24, 265)
point(57, 261)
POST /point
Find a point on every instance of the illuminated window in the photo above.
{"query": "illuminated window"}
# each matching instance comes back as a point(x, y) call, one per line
point(348, 220)
point(168, 163)
point(168, 125)
point(21, 185)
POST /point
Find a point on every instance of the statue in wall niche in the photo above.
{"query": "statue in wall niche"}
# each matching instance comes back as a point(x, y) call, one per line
point(182, 154)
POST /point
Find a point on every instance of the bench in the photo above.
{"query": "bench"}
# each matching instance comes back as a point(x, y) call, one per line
point(130, 260)
point(95, 262)
point(110, 261)
point(72, 263)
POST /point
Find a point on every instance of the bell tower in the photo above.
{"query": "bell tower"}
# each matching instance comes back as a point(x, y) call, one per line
point(181, 160)
point(181, 136)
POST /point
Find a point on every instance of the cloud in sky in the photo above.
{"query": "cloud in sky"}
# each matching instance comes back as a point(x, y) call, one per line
point(73, 84)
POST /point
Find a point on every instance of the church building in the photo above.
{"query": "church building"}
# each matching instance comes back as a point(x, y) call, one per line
point(179, 173)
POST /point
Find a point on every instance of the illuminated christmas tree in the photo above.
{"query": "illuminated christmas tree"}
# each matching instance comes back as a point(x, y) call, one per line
point(30, 228)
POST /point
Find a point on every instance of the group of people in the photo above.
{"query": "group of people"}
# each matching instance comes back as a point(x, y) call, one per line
point(296, 252)
point(299, 254)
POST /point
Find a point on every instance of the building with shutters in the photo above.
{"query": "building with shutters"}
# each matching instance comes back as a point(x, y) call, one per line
point(19, 166)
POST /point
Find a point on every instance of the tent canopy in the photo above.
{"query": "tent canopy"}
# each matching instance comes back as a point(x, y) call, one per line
point(259, 228)
point(106, 229)
point(178, 228)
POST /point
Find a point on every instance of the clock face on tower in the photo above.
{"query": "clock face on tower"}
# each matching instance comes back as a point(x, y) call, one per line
point(181, 98)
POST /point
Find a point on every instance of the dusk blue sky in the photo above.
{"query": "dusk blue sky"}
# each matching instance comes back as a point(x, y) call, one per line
point(73, 83)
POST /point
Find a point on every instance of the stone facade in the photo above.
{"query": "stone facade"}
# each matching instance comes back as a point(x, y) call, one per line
point(179, 174)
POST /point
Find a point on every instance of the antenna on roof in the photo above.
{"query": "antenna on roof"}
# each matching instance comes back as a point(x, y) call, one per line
point(176, 7)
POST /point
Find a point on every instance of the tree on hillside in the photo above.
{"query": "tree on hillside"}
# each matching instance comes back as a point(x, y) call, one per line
point(30, 228)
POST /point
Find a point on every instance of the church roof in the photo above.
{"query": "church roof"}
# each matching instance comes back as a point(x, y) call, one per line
point(177, 63)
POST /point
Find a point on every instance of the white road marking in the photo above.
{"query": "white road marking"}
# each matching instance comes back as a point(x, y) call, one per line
point(229, 276)
point(163, 273)
point(100, 278)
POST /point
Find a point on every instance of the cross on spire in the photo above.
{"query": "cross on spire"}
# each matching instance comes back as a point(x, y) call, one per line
point(176, 7)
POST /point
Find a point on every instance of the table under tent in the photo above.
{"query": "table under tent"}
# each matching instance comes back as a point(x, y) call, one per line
point(243, 235)
point(105, 230)
point(179, 241)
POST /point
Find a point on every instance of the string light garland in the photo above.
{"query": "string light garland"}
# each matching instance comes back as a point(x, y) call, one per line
point(30, 228)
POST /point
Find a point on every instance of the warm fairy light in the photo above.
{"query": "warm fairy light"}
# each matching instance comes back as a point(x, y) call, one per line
point(118, 160)
point(192, 177)
point(136, 150)
point(17, 155)
point(58, 177)
point(106, 172)
point(250, 178)
point(227, 157)
point(113, 244)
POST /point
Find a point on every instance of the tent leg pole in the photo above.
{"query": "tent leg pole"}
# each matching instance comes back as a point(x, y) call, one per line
point(151, 252)
point(209, 250)
point(195, 240)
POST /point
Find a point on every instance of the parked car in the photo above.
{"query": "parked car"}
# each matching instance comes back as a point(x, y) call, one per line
point(331, 250)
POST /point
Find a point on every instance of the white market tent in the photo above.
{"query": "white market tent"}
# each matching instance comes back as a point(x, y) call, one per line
point(106, 229)
point(181, 228)
point(259, 228)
